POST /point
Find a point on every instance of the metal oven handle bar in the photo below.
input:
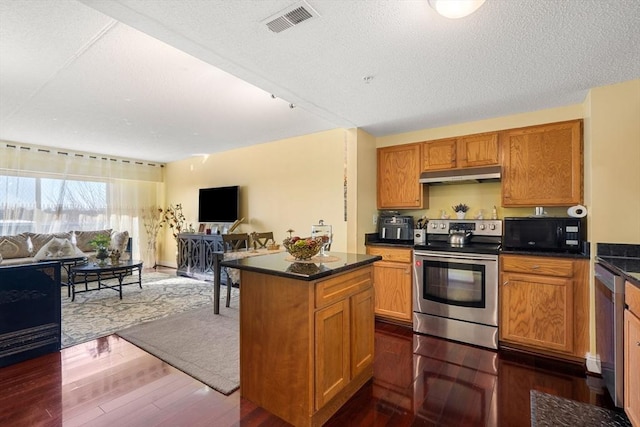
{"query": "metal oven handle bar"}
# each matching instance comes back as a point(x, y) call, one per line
point(457, 256)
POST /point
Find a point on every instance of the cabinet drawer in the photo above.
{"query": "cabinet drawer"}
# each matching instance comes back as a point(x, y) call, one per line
point(392, 254)
point(537, 265)
point(632, 298)
point(336, 289)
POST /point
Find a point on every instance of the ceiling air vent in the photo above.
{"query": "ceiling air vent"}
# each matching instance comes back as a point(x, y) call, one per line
point(290, 17)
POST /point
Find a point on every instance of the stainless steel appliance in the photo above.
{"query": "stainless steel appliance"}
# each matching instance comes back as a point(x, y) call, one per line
point(549, 234)
point(395, 227)
point(609, 298)
point(456, 284)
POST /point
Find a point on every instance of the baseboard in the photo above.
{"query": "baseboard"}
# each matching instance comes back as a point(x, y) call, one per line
point(593, 363)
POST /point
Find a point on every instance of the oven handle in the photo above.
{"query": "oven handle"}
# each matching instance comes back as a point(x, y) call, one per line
point(457, 256)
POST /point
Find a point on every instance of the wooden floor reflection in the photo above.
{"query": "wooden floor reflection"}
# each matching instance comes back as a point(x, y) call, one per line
point(418, 381)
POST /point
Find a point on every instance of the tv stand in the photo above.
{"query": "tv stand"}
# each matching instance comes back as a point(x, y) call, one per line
point(195, 255)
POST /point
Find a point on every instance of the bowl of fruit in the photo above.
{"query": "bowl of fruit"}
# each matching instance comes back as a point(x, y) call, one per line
point(303, 248)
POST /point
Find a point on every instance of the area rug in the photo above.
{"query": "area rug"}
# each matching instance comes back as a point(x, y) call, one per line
point(100, 313)
point(199, 343)
point(553, 411)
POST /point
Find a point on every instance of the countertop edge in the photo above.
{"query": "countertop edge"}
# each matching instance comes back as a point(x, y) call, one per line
point(307, 278)
point(618, 270)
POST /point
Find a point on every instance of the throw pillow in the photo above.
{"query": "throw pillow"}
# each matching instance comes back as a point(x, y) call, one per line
point(84, 237)
point(14, 246)
point(119, 241)
point(57, 248)
point(38, 240)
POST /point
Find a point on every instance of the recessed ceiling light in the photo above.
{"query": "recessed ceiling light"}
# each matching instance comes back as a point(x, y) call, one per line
point(454, 9)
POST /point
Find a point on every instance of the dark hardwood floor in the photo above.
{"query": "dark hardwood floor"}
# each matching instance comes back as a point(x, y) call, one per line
point(109, 382)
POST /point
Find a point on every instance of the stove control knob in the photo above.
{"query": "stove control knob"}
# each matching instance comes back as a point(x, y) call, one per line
point(492, 226)
point(443, 226)
point(482, 227)
point(434, 225)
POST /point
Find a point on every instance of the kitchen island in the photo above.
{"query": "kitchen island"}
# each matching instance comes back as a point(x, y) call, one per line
point(306, 333)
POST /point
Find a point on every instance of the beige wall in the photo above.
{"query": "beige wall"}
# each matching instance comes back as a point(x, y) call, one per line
point(285, 184)
point(612, 130)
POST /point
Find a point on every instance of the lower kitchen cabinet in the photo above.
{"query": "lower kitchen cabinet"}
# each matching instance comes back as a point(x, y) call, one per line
point(393, 284)
point(632, 354)
point(544, 305)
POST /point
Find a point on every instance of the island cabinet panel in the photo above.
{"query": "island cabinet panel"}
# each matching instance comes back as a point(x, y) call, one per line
point(398, 175)
point(306, 347)
point(543, 165)
point(632, 354)
point(544, 305)
point(393, 283)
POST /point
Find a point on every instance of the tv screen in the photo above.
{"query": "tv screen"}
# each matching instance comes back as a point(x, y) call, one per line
point(219, 204)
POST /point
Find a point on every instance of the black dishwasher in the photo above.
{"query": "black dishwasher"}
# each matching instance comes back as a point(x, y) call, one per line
point(609, 299)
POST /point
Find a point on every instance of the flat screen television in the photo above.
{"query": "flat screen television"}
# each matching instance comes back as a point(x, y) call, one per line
point(219, 204)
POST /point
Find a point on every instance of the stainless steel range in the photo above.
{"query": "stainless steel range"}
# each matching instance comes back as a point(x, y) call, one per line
point(456, 281)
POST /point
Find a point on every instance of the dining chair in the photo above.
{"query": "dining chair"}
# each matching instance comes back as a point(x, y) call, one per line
point(232, 243)
point(261, 240)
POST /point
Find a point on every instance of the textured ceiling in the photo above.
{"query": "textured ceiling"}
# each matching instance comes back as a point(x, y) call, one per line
point(162, 80)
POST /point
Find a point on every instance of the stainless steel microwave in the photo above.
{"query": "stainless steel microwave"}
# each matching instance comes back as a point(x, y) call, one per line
point(550, 234)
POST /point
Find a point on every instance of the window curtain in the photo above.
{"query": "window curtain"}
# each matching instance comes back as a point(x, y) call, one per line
point(45, 190)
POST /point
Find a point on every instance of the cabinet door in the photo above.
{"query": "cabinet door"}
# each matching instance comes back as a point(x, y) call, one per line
point(398, 175)
point(393, 286)
point(631, 364)
point(542, 165)
point(440, 154)
point(333, 358)
point(478, 150)
point(362, 330)
point(537, 311)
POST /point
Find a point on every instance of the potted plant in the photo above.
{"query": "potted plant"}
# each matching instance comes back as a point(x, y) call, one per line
point(460, 210)
point(101, 244)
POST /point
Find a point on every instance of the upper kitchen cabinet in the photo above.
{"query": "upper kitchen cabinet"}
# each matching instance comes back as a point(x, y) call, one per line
point(398, 175)
point(542, 165)
point(462, 152)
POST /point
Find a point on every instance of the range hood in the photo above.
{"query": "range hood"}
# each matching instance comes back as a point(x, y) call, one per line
point(462, 176)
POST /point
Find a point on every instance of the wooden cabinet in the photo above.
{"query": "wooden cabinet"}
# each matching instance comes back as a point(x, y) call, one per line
point(344, 344)
point(544, 304)
point(398, 175)
point(392, 281)
point(543, 165)
point(306, 347)
point(462, 152)
point(632, 354)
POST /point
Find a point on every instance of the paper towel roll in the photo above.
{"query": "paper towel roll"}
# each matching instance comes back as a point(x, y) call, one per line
point(577, 211)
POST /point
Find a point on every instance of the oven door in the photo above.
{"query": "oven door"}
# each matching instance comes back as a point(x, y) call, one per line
point(457, 286)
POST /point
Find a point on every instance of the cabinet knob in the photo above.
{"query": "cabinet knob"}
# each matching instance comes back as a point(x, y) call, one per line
point(638, 343)
point(535, 267)
point(505, 283)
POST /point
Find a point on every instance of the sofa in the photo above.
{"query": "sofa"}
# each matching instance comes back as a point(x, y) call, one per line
point(30, 247)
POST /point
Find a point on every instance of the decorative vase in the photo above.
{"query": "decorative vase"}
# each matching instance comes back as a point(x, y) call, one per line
point(460, 214)
point(101, 255)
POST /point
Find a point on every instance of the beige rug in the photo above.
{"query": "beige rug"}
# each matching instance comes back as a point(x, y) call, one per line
point(199, 343)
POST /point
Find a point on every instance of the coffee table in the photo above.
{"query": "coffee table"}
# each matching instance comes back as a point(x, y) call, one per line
point(103, 272)
point(66, 264)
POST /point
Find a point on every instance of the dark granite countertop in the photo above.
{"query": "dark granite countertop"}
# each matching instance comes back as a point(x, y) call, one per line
point(372, 239)
point(580, 255)
point(623, 259)
point(277, 265)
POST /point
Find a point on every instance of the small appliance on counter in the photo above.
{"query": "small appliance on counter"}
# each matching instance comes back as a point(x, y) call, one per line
point(548, 234)
point(395, 227)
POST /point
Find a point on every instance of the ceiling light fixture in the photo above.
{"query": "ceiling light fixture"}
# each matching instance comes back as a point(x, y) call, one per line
point(455, 9)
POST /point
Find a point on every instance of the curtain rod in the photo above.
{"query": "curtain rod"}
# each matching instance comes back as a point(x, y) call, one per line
point(83, 155)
